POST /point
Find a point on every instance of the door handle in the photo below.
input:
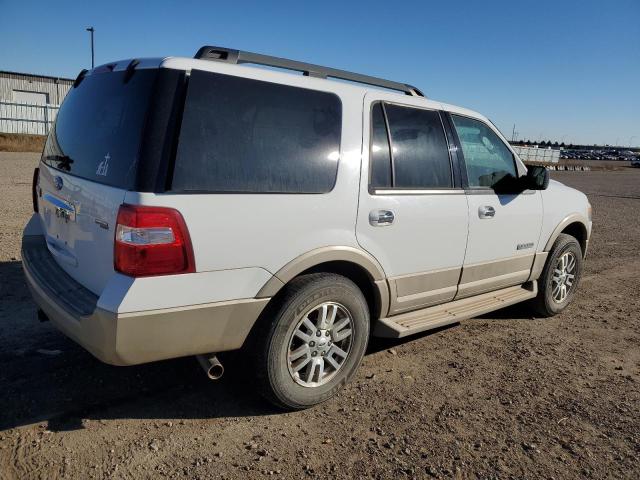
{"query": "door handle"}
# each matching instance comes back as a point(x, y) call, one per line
point(486, 212)
point(381, 218)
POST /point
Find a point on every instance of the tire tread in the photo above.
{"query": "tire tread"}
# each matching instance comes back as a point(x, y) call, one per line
point(540, 303)
point(269, 322)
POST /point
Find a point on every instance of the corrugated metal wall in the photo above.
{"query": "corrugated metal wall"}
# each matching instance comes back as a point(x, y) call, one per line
point(55, 88)
point(18, 116)
point(26, 118)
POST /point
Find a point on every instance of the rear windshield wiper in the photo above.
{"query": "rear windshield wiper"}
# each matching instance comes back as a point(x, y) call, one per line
point(64, 161)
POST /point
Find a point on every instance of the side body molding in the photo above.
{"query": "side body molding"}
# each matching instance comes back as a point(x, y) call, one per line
point(331, 254)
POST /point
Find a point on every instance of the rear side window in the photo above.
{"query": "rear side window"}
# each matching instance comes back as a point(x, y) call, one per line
point(98, 130)
point(419, 148)
point(243, 135)
point(380, 153)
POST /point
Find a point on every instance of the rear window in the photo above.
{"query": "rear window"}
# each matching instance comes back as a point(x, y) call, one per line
point(243, 135)
point(381, 175)
point(419, 153)
point(98, 129)
point(419, 146)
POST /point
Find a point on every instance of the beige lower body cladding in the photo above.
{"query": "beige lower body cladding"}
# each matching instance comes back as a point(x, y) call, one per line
point(141, 337)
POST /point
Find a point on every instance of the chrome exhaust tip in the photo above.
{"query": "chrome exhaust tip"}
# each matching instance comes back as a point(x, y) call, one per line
point(211, 366)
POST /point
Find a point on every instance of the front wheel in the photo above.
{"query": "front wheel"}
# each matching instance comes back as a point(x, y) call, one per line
point(313, 340)
point(560, 276)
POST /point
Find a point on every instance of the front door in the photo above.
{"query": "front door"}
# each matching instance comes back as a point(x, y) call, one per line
point(503, 228)
point(412, 215)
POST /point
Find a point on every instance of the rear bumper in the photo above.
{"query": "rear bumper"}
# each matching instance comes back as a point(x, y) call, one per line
point(137, 337)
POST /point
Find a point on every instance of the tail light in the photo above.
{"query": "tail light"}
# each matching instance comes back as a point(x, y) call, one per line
point(152, 241)
point(34, 189)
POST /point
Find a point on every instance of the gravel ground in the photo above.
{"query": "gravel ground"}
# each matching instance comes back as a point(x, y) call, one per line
point(501, 396)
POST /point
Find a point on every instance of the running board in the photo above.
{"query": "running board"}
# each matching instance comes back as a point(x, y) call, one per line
point(399, 326)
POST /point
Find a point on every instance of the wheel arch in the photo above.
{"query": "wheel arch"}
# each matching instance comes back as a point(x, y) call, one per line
point(355, 264)
point(574, 225)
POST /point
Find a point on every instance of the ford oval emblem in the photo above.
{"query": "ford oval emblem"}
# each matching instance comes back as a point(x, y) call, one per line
point(57, 182)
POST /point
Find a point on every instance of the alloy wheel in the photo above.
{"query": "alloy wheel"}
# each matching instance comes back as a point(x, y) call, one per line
point(564, 276)
point(320, 344)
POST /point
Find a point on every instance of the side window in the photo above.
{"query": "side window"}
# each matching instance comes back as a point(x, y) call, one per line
point(487, 158)
point(419, 148)
point(380, 153)
point(244, 135)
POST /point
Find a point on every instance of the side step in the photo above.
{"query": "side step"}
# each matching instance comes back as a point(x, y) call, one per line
point(405, 324)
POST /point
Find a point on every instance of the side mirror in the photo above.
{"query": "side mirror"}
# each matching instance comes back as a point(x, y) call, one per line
point(537, 177)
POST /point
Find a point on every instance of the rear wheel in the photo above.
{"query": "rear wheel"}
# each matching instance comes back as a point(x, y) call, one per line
point(560, 276)
point(313, 341)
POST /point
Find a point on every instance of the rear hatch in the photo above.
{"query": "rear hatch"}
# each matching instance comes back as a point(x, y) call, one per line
point(91, 158)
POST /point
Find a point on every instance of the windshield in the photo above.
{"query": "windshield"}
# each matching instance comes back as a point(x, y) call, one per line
point(98, 129)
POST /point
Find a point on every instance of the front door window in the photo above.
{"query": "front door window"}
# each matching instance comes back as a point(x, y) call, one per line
point(488, 160)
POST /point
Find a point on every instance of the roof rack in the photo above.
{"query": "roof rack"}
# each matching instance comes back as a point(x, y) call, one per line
point(228, 55)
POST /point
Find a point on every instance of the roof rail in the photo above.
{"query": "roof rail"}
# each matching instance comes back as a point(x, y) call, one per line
point(228, 55)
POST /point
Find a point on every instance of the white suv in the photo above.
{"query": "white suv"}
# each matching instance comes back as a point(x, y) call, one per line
point(194, 206)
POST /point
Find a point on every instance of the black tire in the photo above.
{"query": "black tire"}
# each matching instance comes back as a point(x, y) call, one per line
point(271, 339)
point(544, 303)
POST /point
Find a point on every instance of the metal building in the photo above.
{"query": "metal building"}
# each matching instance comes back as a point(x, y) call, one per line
point(29, 103)
point(26, 88)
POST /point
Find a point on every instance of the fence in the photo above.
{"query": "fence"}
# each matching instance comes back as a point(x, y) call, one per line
point(28, 118)
point(542, 155)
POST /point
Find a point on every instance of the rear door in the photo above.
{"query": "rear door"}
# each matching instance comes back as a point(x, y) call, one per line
point(503, 228)
point(89, 161)
point(412, 214)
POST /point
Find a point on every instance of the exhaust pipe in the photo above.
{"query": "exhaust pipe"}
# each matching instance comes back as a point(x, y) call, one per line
point(211, 365)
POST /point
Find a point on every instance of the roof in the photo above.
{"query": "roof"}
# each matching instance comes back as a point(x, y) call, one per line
point(33, 75)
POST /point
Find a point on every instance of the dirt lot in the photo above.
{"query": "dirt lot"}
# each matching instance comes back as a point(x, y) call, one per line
point(503, 396)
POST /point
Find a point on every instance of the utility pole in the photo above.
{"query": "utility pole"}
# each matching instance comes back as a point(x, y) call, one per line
point(513, 133)
point(91, 30)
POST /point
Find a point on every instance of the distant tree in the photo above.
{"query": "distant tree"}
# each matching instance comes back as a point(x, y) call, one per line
point(556, 144)
point(562, 144)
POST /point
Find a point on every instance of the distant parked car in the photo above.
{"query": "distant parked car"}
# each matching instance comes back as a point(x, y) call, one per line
point(635, 162)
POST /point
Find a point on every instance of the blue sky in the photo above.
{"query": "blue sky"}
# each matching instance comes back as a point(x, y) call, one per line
point(566, 70)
